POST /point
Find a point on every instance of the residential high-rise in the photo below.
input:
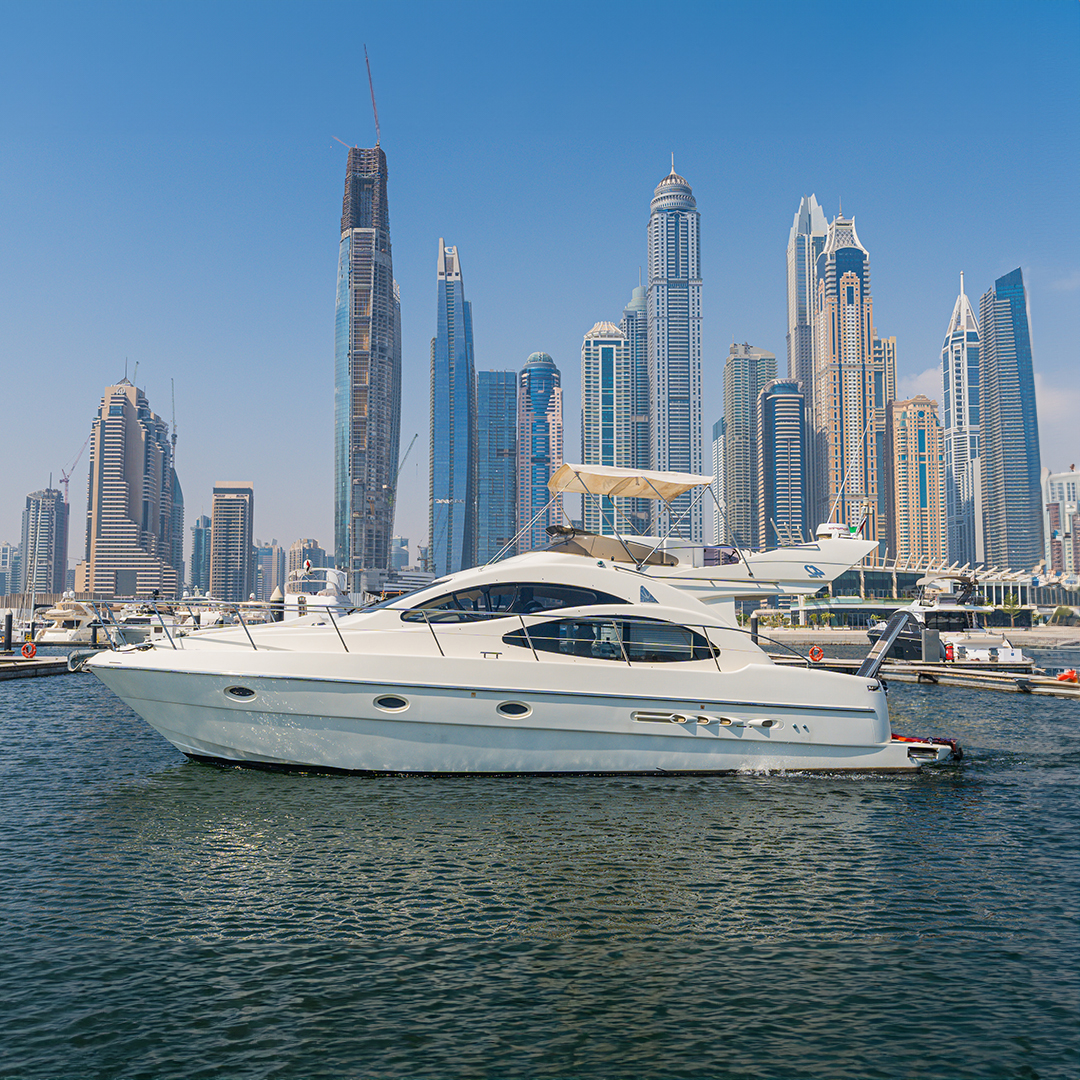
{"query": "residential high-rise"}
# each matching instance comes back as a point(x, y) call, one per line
point(806, 241)
point(746, 372)
point(269, 568)
point(232, 552)
point(496, 489)
point(176, 525)
point(674, 314)
point(540, 449)
point(854, 380)
point(782, 441)
point(1011, 466)
point(635, 325)
point(916, 482)
point(367, 371)
point(607, 426)
point(129, 513)
point(43, 552)
point(1061, 520)
point(399, 553)
point(200, 556)
point(10, 581)
point(960, 400)
point(452, 480)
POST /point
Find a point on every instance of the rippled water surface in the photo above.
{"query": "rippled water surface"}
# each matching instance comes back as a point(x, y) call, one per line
point(166, 919)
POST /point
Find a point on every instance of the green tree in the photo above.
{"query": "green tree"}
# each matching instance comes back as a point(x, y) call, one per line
point(1011, 606)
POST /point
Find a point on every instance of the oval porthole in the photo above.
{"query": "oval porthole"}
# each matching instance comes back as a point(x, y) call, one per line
point(391, 703)
point(515, 709)
point(240, 692)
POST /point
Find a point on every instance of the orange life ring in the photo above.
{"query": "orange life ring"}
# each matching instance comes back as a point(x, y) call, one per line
point(29, 650)
point(816, 653)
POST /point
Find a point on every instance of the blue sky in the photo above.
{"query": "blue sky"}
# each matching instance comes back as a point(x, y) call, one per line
point(171, 194)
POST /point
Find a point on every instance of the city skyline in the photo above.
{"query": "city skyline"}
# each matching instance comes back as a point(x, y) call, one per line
point(244, 329)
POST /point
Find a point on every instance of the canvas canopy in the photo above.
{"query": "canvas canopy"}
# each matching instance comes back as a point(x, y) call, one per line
point(624, 483)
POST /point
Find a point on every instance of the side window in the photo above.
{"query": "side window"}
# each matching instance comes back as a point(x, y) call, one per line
point(513, 598)
point(464, 606)
point(640, 641)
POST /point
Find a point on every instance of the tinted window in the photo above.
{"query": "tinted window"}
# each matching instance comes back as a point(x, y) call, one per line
point(640, 641)
point(506, 598)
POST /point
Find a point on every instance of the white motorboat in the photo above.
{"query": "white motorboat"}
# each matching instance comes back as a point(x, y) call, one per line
point(955, 616)
point(71, 622)
point(548, 662)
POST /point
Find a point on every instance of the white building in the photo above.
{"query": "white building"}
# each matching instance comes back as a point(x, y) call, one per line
point(1061, 520)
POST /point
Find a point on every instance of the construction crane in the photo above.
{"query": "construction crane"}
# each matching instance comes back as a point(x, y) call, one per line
point(65, 474)
point(393, 491)
point(371, 87)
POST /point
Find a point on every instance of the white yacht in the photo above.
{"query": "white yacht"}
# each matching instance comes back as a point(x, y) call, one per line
point(71, 622)
point(946, 602)
point(557, 661)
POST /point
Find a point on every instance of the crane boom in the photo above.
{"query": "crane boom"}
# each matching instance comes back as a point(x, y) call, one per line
point(371, 87)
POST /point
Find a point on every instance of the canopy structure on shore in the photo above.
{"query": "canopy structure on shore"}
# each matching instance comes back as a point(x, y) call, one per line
point(624, 483)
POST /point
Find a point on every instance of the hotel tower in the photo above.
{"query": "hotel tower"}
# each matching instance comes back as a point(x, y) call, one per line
point(367, 372)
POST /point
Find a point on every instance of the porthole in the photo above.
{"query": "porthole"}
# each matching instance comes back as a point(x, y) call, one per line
point(515, 709)
point(391, 703)
point(241, 693)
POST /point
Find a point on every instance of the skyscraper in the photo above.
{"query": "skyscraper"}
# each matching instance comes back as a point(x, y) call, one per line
point(607, 423)
point(960, 400)
point(367, 371)
point(44, 545)
point(540, 448)
point(1011, 465)
point(269, 568)
point(232, 552)
point(746, 372)
point(916, 482)
point(496, 490)
point(783, 437)
point(129, 514)
point(452, 511)
point(719, 495)
point(674, 314)
point(635, 325)
point(854, 380)
point(805, 243)
point(200, 556)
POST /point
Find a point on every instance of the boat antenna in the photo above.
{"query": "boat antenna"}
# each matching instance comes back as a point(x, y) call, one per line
point(371, 87)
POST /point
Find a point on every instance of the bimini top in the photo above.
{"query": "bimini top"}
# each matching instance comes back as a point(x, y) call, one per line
point(626, 483)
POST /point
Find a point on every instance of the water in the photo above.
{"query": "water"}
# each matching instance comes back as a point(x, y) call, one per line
point(164, 919)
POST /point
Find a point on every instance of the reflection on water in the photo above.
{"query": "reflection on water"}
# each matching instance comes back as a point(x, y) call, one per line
point(174, 920)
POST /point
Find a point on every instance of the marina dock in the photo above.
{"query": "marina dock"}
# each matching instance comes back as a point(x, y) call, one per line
point(16, 667)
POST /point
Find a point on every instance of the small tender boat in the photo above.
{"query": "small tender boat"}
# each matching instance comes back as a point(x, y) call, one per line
point(557, 661)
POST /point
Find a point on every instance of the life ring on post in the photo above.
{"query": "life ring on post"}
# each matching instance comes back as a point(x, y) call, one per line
point(816, 653)
point(29, 650)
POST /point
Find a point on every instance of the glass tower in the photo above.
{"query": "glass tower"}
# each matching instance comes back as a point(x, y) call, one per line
point(540, 448)
point(782, 433)
point(805, 243)
point(452, 513)
point(746, 373)
point(367, 371)
point(1011, 465)
point(674, 316)
point(496, 492)
point(607, 422)
point(960, 401)
point(635, 325)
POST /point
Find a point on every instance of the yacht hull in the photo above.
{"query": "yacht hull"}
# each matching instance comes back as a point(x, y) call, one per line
point(444, 716)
